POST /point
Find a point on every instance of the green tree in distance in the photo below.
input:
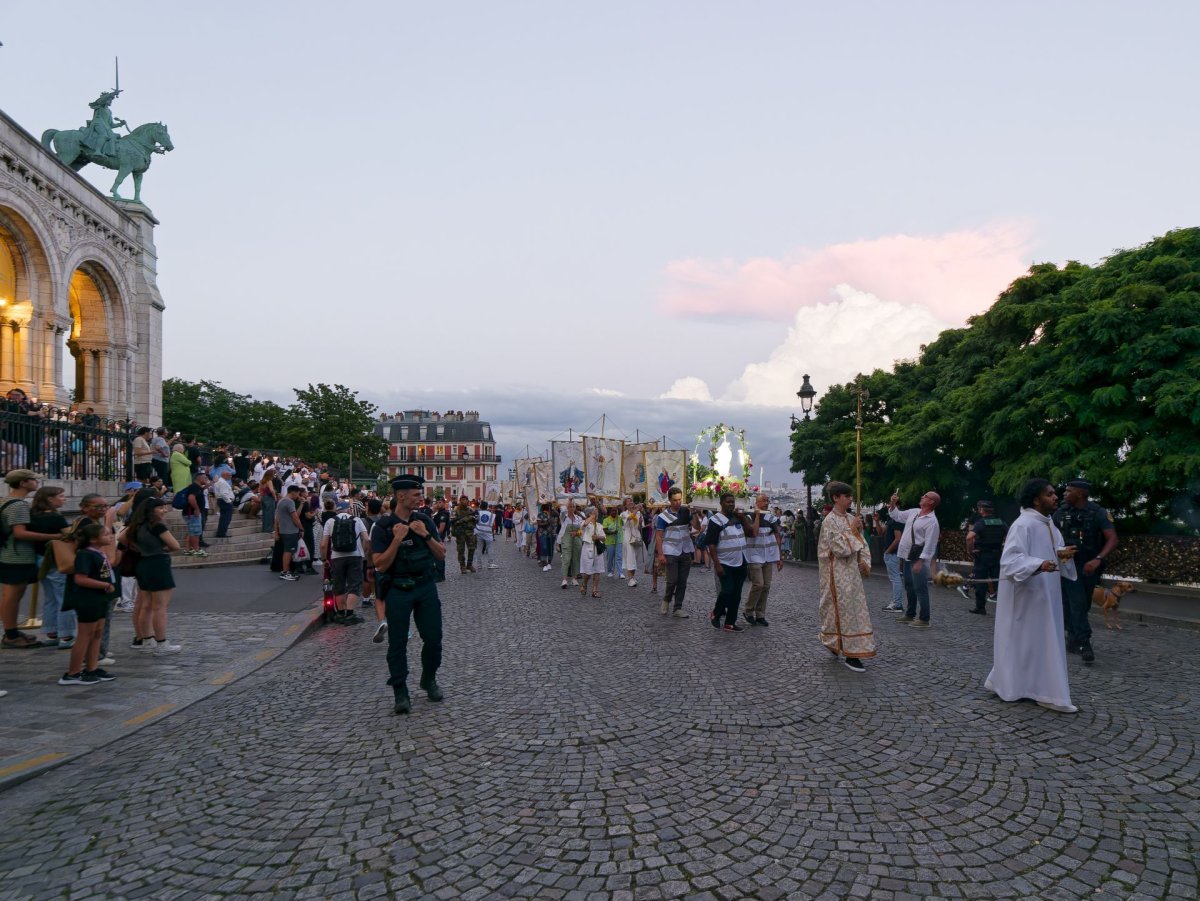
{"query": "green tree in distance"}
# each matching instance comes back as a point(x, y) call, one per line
point(1074, 371)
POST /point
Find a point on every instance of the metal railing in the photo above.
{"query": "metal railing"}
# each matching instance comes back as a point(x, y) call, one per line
point(59, 444)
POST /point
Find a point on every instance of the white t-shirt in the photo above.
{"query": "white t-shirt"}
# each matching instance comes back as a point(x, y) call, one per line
point(359, 531)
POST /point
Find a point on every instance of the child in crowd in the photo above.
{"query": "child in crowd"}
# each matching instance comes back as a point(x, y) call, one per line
point(88, 593)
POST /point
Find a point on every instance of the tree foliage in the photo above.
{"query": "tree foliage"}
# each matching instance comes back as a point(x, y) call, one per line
point(324, 424)
point(1079, 371)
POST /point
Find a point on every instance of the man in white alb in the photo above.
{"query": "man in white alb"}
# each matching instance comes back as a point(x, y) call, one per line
point(1029, 659)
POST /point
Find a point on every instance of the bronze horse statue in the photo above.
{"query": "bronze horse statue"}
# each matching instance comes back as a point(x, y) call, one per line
point(132, 155)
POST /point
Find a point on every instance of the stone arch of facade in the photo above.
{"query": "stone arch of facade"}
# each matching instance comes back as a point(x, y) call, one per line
point(29, 321)
point(102, 336)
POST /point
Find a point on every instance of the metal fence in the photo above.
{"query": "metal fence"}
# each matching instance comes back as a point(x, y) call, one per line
point(59, 444)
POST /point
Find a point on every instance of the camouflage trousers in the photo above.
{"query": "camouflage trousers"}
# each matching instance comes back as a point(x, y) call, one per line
point(466, 549)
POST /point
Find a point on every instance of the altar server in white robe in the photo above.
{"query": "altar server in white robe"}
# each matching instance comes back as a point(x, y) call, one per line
point(1029, 658)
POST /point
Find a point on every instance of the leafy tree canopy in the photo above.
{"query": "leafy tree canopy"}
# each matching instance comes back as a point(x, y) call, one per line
point(1075, 372)
point(325, 424)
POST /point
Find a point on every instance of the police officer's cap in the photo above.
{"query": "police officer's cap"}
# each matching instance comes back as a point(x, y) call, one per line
point(1083, 484)
point(407, 482)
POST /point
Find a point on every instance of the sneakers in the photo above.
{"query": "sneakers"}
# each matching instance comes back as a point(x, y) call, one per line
point(200, 553)
point(906, 619)
point(147, 644)
point(575, 583)
point(681, 614)
point(165, 647)
point(102, 675)
point(964, 591)
point(664, 608)
point(564, 584)
point(80, 678)
point(762, 621)
point(123, 606)
point(734, 628)
point(546, 568)
point(107, 660)
point(853, 664)
point(893, 608)
point(380, 633)
point(981, 612)
point(65, 644)
point(287, 577)
point(493, 566)
point(632, 583)
point(919, 624)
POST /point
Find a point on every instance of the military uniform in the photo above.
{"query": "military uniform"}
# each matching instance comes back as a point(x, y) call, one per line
point(989, 533)
point(409, 588)
point(1083, 527)
point(462, 527)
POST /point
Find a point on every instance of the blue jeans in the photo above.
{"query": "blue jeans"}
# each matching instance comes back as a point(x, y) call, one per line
point(892, 562)
point(55, 620)
point(610, 559)
point(916, 586)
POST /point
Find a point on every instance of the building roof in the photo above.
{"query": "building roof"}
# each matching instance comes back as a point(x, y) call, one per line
point(426, 430)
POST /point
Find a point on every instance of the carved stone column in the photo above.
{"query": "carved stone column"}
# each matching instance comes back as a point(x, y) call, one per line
point(7, 363)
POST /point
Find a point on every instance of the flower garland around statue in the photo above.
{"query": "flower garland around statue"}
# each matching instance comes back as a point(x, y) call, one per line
point(716, 478)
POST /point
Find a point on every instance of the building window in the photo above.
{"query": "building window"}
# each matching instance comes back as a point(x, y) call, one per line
point(441, 431)
point(438, 473)
point(476, 473)
point(403, 453)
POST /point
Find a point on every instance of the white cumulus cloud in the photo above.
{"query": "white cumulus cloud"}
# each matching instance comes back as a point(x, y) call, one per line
point(833, 341)
point(688, 388)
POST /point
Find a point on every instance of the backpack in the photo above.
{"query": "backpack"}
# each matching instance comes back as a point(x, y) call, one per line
point(345, 535)
point(180, 501)
point(4, 535)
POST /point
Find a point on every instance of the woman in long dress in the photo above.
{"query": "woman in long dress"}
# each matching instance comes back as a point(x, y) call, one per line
point(591, 558)
point(844, 559)
point(633, 548)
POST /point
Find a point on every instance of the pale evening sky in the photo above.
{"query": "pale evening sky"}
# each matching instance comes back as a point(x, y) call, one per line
point(664, 211)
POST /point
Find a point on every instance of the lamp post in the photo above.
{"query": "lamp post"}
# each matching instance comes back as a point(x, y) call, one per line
point(806, 394)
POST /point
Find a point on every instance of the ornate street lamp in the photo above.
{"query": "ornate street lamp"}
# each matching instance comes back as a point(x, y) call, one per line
point(806, 394)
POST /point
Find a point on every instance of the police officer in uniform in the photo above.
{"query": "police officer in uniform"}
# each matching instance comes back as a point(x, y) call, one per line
point(984, 542)
point(406, 552)
point(1089, 527)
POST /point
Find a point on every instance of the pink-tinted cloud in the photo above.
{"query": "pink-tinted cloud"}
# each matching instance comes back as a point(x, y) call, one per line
point(955, 275)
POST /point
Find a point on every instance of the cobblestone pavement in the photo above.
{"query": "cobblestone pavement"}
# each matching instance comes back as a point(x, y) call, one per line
point(593, 749)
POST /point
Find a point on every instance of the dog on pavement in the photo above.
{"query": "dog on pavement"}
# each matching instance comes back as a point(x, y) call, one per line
point(1108, 599)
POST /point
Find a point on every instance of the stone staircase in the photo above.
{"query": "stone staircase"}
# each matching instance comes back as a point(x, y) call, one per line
point(246, 542)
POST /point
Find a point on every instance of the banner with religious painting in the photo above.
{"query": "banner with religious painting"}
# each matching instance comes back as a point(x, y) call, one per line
point(543, 481)
point(567, 469)
point(633, 466)
point(602, 464)
point(664, 470)
point(491, 492)
point(525, 474)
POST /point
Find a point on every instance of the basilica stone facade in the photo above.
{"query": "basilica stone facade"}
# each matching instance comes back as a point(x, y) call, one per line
point(77, 277)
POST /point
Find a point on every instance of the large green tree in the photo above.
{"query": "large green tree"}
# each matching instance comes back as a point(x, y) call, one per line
point(324, 424)
point(329, 423)
point(1074, 371)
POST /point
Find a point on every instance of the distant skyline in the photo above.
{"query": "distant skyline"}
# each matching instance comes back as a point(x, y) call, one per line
point(664, 212)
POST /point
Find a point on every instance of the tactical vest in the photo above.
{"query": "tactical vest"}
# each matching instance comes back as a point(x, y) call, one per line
point(1083, 528)
point(991, 536)
point(415, 559)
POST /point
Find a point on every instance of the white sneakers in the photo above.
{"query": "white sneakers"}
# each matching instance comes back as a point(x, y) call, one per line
point(632, 583)
point(107, 660)
point(493, 566)
point(546, 568)
point(165, 647)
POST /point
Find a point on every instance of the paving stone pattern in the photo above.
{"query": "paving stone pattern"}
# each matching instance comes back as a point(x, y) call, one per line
point(594, 749)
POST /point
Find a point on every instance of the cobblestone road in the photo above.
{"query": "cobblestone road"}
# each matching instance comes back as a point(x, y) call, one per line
point(595, 749)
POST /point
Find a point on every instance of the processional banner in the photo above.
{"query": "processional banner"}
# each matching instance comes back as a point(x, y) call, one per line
point(567, 471)
point(602, 464)
point(664, 470)
point(543, 481)
point(633, 466)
